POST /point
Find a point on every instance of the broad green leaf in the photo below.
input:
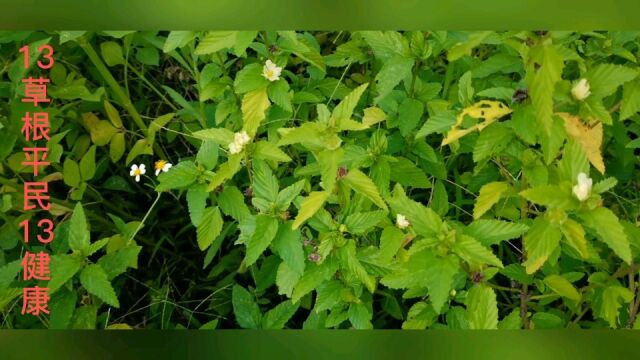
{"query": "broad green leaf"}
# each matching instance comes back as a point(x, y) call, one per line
point(489, 195)
point(344, 110)
point(541, 240)
point(278, 317)
point(112, 53)
point(630, 99)
point(574, 235)
point(71, 173)
point(288, 245)
point(609, 230)
point(209, 227)
point(220, 136)
point(88, 164)
point(362, 184)
point(94, 279)
point(182, 175)
point(329, 161)
point(8, 273)
point(552, 196)
point(119, 261)
point(492, 232)
point(313, 276)
point(349, 261)
point(268, 151)
point(290, 42)
point(422, 219)
point(254, 105)
point(543, 73)
point(393, 71)
point(391, 241)
point(63, 268)
point(310, 206)
point(265, 184)
point(407, 173)
point(360, 223)
point(604, 79)
point(562, 287)
point(177, 39)
point(482, 308)
point(196, 202)
point(78, 230)
point(464, 48)
point(245, 308)
point(360, 316)
point(266, 229)
point(231, 203)
point(472, 251)
point(215, 41)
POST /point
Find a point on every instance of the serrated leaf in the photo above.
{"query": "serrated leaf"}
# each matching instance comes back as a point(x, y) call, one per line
point(268, 151)
point(360, 223)
point(609, 230)
point(541, 240)
point(363, 185)
point(589, 137)
point(482, 308)
point(196, 202)
point(254, 105)
point(288, 245)
point(179, 176)
point(220, 136)
point(488, 111)
point(231, 202)
point(574, 235)
point(552, 196)
point(344, 110)
point(422, 219)
point(63, 268)
point(492, 232)
point(215, 41)
point(245, 308)
point(209, 227)
point(310, 206)
point(562, 287)
point(489, 195)
point(349, 260)
point(542, 76)
point(472, 251)
point(393, 71)
point(314, 275)
point(118, 262)
point(94, 279)
point(604, 79)
point(630, 99)
point(278, 317)
point(265, 231)
point(78, 230)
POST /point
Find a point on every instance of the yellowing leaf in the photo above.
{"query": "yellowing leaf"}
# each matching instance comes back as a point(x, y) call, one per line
point(254, 104)
point(589, 137)
point(373, 115)
point(489, 111)
point(562, 287)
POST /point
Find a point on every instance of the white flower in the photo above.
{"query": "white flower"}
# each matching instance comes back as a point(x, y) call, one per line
point(137, 171)
point(402, 221)
point(239, 141)
point(162, 165)
point(271, 71)
point(234, 148)
point(583, 189)
point(581, 90)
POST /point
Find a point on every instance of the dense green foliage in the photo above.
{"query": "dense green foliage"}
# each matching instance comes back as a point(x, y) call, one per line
point(467, 180)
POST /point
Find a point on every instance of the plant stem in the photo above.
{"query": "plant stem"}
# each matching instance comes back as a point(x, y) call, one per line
point(524, 294)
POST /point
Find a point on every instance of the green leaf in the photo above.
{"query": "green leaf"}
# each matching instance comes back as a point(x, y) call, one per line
point(279, 94)
point(290, 42)
point(94, 279)
point(329, 161)
point(482, 308)
point(360, 223)
point(465, 89)
point(71, 173)
point(552, 196)
point(609, 230)
point(360, 316)
point(472, 251)
point(196, 202)
point(215, 41)
point(220, 136)
point(344, 110)
point(208, 154)
point(63, 268)
point(393, 71)
point(250, 78)
point(350, 262)
point(288, 245)
point(177, 39)
point(314, 275)
point(492, 232)
point(489, 195)
point(362, 184)
point(254, 105)
point(288, 194)
point(407, 173)
point(78, 230)
point(278, 317)
point(180, 176)
point(61, 309)
point(329, 294)
point(422, 219)
point(604, 79)
point(391, 241)
point(464, 48)
point(209, 228)
point(231, 203)
point(265, 184)
point(541, 240)
point(630, 99)
point(266, 229)
point(118, 262)
point(542, 79)
point(491, 142)
point(265, 150)
point(562, 287)
point(310, 206)
point(88, 164)
point(608, 301)
point(8, 274)
point(245, 308)
point(112, 53)
point(574, 235)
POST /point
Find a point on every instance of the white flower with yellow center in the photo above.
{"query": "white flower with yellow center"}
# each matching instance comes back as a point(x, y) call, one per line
point(137, 171)
point(402, 222)
point(162, 165)
point(271, 71)
point(240, 139)
point(581, 90)
point(583, 189)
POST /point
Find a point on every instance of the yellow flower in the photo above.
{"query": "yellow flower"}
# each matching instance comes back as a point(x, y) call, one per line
point(581, 90)
point(271, 71)
point(137, 171)
point(162, 165)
